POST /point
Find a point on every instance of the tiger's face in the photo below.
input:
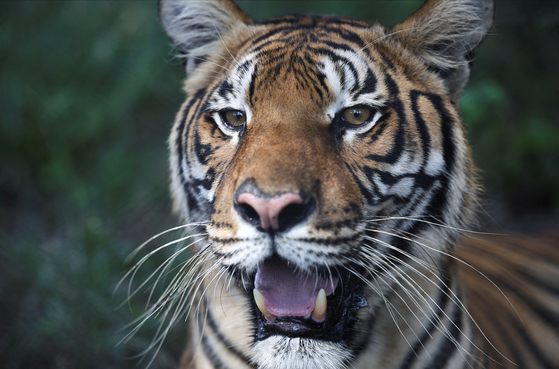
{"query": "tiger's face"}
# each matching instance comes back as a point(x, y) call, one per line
point(325, 158)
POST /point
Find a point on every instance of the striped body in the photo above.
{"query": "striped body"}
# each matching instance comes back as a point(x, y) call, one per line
point(326, 153)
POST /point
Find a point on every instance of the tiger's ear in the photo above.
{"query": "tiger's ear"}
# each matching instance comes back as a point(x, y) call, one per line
point(195, 26)
point(444, 34)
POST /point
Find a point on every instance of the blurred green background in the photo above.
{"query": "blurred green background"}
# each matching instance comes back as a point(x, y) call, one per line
point(88, 92)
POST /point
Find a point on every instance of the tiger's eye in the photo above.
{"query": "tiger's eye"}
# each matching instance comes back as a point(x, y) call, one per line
point(235, 118)
point(356, 115)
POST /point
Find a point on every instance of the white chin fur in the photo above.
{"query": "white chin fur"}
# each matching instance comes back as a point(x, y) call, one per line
point(299, 353)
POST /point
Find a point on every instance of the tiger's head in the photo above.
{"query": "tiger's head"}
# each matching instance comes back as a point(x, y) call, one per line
point(326, 161)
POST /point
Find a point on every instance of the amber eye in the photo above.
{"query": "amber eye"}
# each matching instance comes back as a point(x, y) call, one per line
point(235, 118)
point(356, 115)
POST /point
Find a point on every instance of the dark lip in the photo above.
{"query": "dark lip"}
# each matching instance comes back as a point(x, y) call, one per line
point(341, 316)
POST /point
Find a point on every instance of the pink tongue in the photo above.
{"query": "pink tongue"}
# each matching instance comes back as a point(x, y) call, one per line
point(287, 292)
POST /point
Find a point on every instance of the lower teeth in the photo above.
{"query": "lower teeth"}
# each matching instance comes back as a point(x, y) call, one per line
point(259, 299)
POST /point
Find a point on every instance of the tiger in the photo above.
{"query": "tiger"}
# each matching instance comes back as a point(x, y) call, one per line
point(321, 166)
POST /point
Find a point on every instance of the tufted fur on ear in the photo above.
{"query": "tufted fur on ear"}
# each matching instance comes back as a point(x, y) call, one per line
point(443, 33)
point(194, 26)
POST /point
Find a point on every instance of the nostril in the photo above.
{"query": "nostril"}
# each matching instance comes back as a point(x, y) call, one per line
point(248, 213)
point(294, 214)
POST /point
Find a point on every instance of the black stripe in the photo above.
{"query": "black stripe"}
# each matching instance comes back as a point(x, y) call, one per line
point(337, 59)
point(251, 87)
point(342, 242)
point(442, 300)
point(364, 191)
point(505, 336)
point(212, 356)
point(331, 46)
point(476, 363)
point(389, 64)
point(203, 151)
point(398, 107)
point(225, 89)
point(183, 132)
point(180, 130)
point(379, 128)
point(486, 362)
point(421, 125)
point(224, 341)
point(308, 75)
point(548, 285)
point(289, 35)
point(331, 20)
point(401, 246)
point(549, 317)
point(358, 348)
point(448, 347)
point(369, 85)
point(439, 201)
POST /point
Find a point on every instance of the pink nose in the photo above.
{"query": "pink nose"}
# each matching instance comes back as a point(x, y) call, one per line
point(269, 209)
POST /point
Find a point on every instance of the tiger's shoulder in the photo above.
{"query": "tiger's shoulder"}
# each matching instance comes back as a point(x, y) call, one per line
point(511, 288)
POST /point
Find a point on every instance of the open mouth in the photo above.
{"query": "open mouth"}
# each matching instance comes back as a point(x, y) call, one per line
point(295, 304)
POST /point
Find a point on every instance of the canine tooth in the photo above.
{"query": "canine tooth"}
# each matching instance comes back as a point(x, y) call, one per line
point(259, 299)
point(319, 311)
